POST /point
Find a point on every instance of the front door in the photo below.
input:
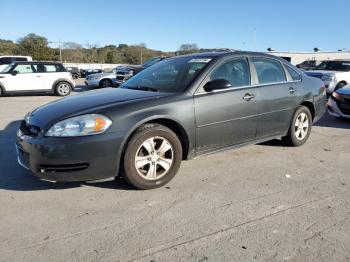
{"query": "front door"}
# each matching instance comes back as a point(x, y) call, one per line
point(228, 116)
point(25, 77)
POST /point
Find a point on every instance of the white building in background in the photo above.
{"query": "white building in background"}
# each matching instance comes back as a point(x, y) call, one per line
point(298, 57)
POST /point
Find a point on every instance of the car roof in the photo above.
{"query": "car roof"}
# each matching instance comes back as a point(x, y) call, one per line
point(215, 54)
point(38, 62)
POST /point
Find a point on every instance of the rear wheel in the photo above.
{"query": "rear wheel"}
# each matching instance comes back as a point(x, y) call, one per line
point(300, 127)
point(1, 91)
point(152, 157)
point(106, 83)
point(63, 89)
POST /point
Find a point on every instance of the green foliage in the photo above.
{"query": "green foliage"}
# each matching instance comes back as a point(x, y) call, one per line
point(35, 46)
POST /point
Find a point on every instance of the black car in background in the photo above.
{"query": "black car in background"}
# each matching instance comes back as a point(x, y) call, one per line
point(309, 65)
point(125, 72)
point(75, 72)
point(177, 109)
point(86, 72)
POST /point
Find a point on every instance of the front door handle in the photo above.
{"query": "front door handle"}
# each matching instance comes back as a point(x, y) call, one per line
point(248, 97)
point(291, 90)
point(38, 76)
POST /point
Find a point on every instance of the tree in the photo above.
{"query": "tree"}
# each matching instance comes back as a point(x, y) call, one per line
point(36, 46)
point(187, 49)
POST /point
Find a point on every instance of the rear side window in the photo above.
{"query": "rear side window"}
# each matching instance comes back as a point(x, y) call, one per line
point(269, 71)
point(293, 73)
point(53, 68)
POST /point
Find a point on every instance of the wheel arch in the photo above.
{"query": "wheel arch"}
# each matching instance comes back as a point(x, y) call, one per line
point(168, 122)
point(311, 107)
point(59, 81)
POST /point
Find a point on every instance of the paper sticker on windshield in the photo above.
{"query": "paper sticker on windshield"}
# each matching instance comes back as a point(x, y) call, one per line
point(200, 60)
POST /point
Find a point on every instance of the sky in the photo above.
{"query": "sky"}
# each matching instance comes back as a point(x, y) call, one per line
point(284, 25)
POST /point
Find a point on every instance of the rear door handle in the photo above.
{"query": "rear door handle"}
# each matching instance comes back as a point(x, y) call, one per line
point(248, 97)
point(291, 90)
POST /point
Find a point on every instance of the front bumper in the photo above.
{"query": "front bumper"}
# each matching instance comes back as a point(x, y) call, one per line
point(70, 159)
point(334, 110)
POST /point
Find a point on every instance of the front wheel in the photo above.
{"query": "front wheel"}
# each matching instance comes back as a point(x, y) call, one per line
point(106, 83)
point(300, 127)
point(152, 157)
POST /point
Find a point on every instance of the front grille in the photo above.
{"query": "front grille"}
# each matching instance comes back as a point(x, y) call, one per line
point(29, 130)
point(120, 77)
point(344, 107)
point(121, 73)
point(63, 168)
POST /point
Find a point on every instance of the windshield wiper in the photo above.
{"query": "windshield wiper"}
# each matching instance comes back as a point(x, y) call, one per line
point(143, 88)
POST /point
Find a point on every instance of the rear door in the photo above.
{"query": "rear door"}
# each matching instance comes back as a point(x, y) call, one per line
point(25, 77)
point(224, 117)
point(276, 96)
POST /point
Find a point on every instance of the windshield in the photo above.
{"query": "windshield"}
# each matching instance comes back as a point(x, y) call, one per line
point(151, 61)
point(170, 75)
point(7, 68)
point(334, 66)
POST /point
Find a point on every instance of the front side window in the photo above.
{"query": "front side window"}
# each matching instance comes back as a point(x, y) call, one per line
point(170, 75)
point(234, 71)
point(269, 71)
point(25, 69)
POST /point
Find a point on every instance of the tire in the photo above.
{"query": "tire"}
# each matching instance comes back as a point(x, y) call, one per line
point(340, 85)
point(298, 133)
point(63, 89)
point(155, 146)
point(1, 91)
point(104, 83)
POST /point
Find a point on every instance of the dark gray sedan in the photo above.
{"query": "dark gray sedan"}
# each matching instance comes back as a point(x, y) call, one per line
point(177, 109)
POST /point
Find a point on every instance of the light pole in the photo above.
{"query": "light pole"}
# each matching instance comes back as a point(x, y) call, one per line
point(59, 46)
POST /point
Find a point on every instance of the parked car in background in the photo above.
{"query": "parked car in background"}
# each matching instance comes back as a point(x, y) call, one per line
point(88, 72)
point(309, 64)
point(75, 72)
point(102, 80)
point(6, 60)
point(125, 72)
point(334, 73)
point(177, 109)
point(339, 103)
point(39, 77)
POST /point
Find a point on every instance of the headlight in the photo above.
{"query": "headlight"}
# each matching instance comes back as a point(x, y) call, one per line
point(327, 78)
point(337, 96)
point(84, 125)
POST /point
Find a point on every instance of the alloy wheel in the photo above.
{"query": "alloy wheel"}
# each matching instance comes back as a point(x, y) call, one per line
point(301, 127)
point(154, 158)
point(63, 89)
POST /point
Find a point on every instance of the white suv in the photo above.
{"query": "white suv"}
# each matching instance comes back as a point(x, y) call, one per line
point(48, 77)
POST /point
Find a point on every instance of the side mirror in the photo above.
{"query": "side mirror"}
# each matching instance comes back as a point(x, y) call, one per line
point(15, 72)
point(216, 85)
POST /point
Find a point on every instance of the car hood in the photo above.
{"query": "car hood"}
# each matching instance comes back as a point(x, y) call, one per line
point(344, 90)
point(88, 102)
